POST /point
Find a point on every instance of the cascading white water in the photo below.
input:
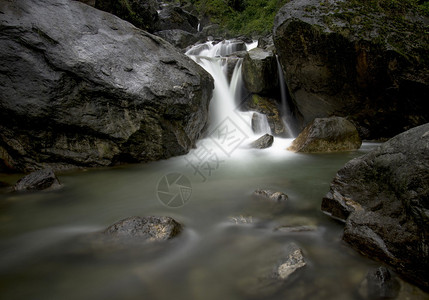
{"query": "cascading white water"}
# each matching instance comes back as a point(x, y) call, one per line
point(285, 110)
point(260, 123)
point(229, 127)
point(226, 96)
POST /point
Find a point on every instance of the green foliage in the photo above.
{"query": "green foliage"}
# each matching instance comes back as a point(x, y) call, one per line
point(241, 17)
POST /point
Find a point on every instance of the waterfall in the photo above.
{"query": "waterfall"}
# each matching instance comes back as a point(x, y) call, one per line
point(226, 95)
point(287, 116)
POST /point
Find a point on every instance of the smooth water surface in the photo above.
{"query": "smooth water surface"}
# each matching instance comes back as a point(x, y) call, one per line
point(231, 238)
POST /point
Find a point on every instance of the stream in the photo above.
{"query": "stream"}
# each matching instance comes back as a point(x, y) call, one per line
point(231, 238)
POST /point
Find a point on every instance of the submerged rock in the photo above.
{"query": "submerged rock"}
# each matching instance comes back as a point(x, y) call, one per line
point(356, 59)
point(38, 181)
point(293, 263)
point(144, 228)
point(276, 270)
point(271, 195)
point(379, 284)
point(383, 197)
point(82, 88)
point(263, 142)
point(327, 135)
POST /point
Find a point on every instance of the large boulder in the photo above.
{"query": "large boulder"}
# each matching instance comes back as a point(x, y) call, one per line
point(260, 73)
point(81, 88)
point(383, 197)
point(353, 58)
point(141, 13)
point(327, 135)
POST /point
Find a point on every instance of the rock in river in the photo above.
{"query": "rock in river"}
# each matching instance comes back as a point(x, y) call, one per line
point(263, 142)
point(37, 181)
point(383, 196)
point(327, 135)
point(82, 88)
point(271, 195)
point(145, 228)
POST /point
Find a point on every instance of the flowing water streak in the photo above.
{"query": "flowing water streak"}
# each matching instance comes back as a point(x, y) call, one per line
point(287, 116)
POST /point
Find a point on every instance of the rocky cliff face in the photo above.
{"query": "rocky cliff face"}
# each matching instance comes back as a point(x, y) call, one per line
point(80, 87)
point(383, 197)
point(348, 58)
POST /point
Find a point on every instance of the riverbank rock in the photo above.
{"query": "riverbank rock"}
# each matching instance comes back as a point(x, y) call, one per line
point(260, 74)
point(327, 135)
point(271, 195)
point(263, 142)
point(366, 61)
point(38, 181)
point(383, 197)
point(144, 228)
point(82, 88)
point(142, 14)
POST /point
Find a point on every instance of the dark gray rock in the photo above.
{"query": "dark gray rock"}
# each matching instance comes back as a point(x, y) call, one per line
point(356, 60)
point(379, 284)
point(82, 88)
point(327, 135)
point(177, 37)
point(271, 195)
point(141, 13)
point(383, 197)
point(263, 142)
point(38, 181)
point(144, 229)
point(260, 74)
point(174, 17)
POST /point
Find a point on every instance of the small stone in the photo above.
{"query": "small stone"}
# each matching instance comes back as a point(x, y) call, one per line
point(294, 262)
point(271, 195)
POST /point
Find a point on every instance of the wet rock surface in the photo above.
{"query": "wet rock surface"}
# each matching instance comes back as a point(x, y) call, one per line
point(263, 142)
point(383, 198)
point(353, 59)
point(260, 71)
point(271, 195)
point(37, 181)
point(327, 135)
point(379, 283)
point(92, 90)
point(144, 229)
